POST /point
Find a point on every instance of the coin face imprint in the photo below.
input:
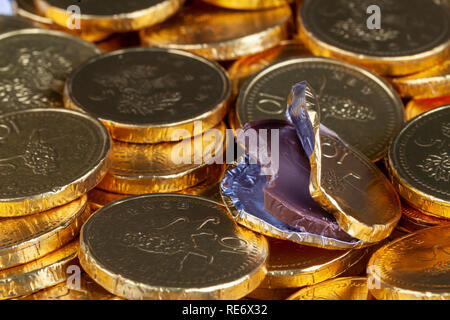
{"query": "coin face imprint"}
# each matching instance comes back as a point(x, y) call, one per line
point(148, 86)
point(343, 24)
point(170, 241)
point(351, 100)
point(36, 159)
point(34, 65)
point(421, 153)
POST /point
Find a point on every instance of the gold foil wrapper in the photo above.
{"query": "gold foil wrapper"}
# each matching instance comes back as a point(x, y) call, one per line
point(350, 288)
point(28, 238)
point(119, 22)
point(248, 4)
point(150, 168)
point(241, 70)
point(220, 34)
point(242, 273)
point(271, 294)
point(414, 267)
point(343, 181)
point(39, 274)
point(412, 219)
point(27, 9)
point(431, 83)
point(293, 266)
point(88, 289)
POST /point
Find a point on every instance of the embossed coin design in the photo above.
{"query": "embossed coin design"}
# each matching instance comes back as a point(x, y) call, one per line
point(150, 168)
point(171, 246)
point(45, 166)
point(349, 288)
point(39, 274)
point(415, 267)
point(148, 95)
point(431, 83)
point(34, 65)
point(28, 238)
point(220, 34)
point(414, 34)
point(27, 9)
point(291, 265)
point(11, 23)
point(88, 290)
point(357, 104)
point(419, 162)
point(110, 16)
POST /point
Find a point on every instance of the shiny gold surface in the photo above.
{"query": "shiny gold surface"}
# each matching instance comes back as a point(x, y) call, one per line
point(241, 70)
point(431, 83)
point(194, 250)
point(28, 238)
point(292, 266)
point(271, 294)
point(350, 288)
point(395, 66)
point(347, 184)
point(117, 22)
point(248, 4)
point(153, 168)
point(208, 189)
point(88, 290)
point(263, 227)
point(414, 267)
point(220, 34)
point(39, 274)
point(28, 10)
point(412, 219)
point(419, 106)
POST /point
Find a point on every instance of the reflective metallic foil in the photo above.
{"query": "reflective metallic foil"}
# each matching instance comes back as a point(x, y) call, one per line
point(170, 246)
point(150, 95)
point(419, 106)
point(28, 238)
point(39, 274)
point(155, 168)
point(48, 158)
point(110, 16)
point(343, 181)
point(220, 34)
point(414, 267)
point(249, 4)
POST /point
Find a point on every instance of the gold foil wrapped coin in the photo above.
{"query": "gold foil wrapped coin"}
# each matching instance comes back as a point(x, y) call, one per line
point(48, 158)
point(86, 289)
point(271, 294)
point(419, 106)
point(248, 4)
point(412, 219)
point(149, 95)
point(28, 238)
point(34, 65)
point(343, 181)
point(414, 267)
point(39, 274)
point(109, 16)
point(348, 288)
point(414, 34)
point(291, 265)
point(419, 162)
point(431, 83)
point(169, 246)
point(165, 167)
point(28, 10)
point(220, 34)
point(243, 68)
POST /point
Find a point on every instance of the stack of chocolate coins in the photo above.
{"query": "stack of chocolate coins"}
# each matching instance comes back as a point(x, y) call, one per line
point(46, 173)
point(164, 109)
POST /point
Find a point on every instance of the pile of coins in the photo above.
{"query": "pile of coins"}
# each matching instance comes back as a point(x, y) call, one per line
point(124, 174)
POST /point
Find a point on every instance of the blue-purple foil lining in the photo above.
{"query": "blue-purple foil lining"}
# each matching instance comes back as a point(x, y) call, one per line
point(243, 185)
